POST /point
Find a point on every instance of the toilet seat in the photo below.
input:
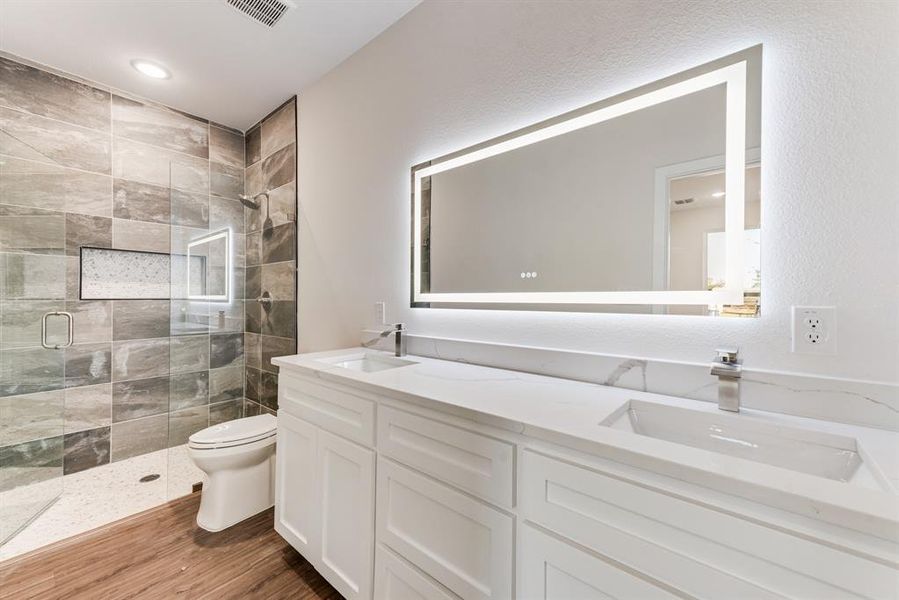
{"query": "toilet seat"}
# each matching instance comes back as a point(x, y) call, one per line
point(234, 433)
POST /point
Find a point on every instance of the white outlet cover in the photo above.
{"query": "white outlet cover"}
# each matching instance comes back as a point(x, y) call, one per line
point(814, 330)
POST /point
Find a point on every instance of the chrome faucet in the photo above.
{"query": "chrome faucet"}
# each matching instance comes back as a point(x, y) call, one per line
point(728, 368)
point(399, 345)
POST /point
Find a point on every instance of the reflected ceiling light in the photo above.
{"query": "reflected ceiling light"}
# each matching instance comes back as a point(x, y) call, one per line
point(718, 195)
point(150, 69)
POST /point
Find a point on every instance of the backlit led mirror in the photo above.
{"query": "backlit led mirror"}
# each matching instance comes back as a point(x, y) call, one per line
point(209, 267)
point(645, 202)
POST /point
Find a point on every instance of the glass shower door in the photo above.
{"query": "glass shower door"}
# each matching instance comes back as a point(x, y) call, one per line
point(34, 331)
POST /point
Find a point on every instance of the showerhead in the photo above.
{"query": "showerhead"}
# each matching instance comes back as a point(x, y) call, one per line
point(253, 204)
point(249, 202)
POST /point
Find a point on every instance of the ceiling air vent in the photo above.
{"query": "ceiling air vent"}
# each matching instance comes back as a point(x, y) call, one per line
point(267, 12)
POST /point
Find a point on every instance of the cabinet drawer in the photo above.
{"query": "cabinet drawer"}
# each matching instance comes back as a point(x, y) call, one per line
point(476, 463)
point(699, 551)
point(395, 579)
point(330, 408)
point(462, 543)
point(553, 570)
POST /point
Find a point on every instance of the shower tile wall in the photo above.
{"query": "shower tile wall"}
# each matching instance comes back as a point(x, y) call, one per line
point(271, 252)
point(80, 165)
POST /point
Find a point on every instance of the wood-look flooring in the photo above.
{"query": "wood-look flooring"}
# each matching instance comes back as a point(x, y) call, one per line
point(163, 554)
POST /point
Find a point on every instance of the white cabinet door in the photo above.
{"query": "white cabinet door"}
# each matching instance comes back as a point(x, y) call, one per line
point(395, 579)
point(295, 490)
point(550, 569)
point(461, 542)
point(346, 500)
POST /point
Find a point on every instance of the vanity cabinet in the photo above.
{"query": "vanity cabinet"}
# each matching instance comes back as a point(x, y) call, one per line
point(396, 500)
point(324, 503)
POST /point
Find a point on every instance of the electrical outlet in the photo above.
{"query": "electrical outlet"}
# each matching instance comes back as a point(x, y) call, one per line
point(381, 313)
point(814, 329)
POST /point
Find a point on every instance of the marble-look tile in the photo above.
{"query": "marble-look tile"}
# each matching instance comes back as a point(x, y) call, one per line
point(141, 162)
point(225, 180)
point(93, 320)
point(31, 417)
point(31, 137)
point(20, 323)
point(190, 353)
point(226, 146)
point(160, 126)
point(184, 423)
point(279, 168)
point(140, 398)
point(141, 201)
point(226, 350)
point(225, 213)
point(253, 384)
point(252, 349)
point(283, 207)
point(279, 244)
point(254, 249)
point(88, 407)
point(48, 186)
point(140, 436)
point(33, 276)
point(252, 408)
point(72, 277)
point(189, 390)
point(279, 280)
point(140, 319)
point(88, 364)
point(223, 412)
point(252, 180)
point(253, 282)
point(49, 95)
point(279, 129)
point(225, 384)
point(32, 230)
point(87, 230)
point(269, 392)
point(140, 235)
point(271, 347)
point(140, 359)
point(280, 320)
point(190, 209)
point(30, 370)
point(253, 146)
point(253, 317)
point(85, 450)
point(30, 462)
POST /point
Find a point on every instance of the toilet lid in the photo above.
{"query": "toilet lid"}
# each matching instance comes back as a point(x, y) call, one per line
point(238, 431)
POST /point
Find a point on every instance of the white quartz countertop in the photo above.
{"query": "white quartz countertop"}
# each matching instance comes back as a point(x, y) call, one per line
point(564, 411)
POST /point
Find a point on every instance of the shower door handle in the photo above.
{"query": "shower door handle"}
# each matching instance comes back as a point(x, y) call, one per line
point(70, 329)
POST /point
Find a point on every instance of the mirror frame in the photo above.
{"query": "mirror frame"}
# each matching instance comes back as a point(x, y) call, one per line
point(732, 71)
point(226, 297)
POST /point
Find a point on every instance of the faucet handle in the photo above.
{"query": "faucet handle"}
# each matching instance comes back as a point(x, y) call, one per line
point(727, 356)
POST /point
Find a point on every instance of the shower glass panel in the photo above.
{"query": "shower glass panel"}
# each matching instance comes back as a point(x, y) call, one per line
point(207, 315)
point(35, 330)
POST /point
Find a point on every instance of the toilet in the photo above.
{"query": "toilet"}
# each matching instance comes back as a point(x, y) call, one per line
point(239, 459)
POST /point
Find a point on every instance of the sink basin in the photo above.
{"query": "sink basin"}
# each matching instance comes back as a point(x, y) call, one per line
point(367, 362)
point(822, 454)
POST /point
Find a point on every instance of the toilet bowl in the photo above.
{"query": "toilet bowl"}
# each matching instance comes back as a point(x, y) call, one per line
point(239, 459)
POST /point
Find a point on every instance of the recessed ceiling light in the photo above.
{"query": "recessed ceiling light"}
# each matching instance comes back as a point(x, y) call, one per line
point(150, 69)
point(717, 194)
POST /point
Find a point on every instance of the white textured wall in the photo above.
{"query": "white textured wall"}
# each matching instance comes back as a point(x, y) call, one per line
point(453, 74)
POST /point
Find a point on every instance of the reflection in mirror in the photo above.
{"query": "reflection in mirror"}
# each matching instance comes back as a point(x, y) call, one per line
point(208, 267)
point(647, 202)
